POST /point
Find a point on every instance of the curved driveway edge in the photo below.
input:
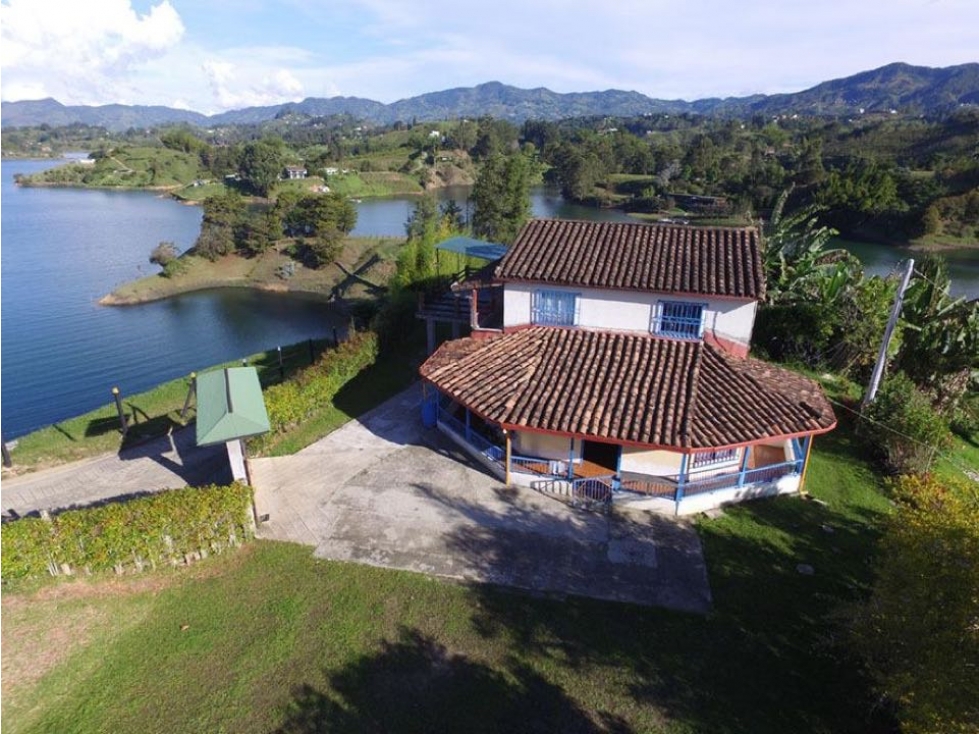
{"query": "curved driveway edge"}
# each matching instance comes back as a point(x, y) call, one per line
point(385, 491)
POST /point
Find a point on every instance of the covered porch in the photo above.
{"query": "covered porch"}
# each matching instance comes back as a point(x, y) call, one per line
point(469, 296)
point(591, 473)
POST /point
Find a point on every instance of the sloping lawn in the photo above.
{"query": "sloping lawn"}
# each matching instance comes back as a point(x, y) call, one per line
point(272, 640)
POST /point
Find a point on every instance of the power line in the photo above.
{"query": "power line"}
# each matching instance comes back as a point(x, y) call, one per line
point(934, 447)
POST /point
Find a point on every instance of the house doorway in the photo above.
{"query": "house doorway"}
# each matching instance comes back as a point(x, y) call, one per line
point(605, 455)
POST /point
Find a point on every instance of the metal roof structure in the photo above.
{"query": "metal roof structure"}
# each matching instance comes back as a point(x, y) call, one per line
point(473, 248)
point(230, 406)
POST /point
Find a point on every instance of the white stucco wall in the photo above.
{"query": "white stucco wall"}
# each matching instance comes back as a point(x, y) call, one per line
point(657, 463)
point(236, 455)
point(631, 311)
point(544, 446)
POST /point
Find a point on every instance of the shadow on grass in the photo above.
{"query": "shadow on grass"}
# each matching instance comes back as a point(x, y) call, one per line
point(415, 685)
point(101, 426)
point(772, 655)
point(67, 434)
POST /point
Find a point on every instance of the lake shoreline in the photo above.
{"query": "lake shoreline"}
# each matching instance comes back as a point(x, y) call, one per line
point(115, 300)
point(333, 283)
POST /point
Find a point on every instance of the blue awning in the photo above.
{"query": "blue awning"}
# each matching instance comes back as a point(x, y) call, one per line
point(473, 248)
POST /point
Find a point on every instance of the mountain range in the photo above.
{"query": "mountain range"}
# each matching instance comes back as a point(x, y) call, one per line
point(898, 86)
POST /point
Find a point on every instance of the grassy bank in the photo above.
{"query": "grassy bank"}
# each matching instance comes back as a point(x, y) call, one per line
point(151, 413)
point(273, 271)
point(273, 639)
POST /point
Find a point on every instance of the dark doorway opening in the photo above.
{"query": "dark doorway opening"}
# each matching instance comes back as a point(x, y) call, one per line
point(603, 454)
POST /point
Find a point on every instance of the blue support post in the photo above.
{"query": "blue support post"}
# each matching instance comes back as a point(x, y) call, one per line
point(744, 466)
point(803, 453)
point(617, 479)
point(468, 429)
point(681, 477)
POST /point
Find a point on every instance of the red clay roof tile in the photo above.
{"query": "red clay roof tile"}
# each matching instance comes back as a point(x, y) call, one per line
point(626, 387)
point(721, 261)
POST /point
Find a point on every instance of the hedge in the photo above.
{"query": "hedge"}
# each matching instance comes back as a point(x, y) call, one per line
point(292, 402)
point(171, 527)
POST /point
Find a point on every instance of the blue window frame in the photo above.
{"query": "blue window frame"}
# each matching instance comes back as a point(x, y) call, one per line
point(679, 319)
point(709, 458)
point(554, 308)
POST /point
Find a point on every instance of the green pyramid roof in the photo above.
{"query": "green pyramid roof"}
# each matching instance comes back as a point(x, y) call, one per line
point(229, 406)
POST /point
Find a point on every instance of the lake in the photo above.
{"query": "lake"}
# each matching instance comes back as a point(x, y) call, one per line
point(65, 248)
point(62, 353)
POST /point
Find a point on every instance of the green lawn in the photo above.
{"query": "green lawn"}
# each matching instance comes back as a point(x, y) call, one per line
point(272, 640)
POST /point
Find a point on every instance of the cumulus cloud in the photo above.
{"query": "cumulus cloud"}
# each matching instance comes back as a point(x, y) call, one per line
point(234, 88)
point(80, 51)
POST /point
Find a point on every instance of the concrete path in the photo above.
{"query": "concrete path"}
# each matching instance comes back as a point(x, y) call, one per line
point(149, 467)
point(387, 492)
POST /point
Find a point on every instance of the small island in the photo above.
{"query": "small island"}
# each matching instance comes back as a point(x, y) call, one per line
point(298, 242)
point(362, 268)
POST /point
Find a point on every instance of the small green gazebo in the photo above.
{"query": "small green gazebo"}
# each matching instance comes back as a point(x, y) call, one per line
point(230, 407)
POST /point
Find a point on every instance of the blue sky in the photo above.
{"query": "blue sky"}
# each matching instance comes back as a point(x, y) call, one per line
point(214, 55)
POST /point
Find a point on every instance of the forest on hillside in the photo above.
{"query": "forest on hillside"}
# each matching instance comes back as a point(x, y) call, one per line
point(880, 176)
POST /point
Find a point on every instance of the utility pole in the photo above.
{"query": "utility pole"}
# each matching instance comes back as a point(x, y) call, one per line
point(871, 393)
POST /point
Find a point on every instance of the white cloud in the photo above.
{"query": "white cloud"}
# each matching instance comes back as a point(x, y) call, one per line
point(81, 51)
point(258, 89)
point(239, 53)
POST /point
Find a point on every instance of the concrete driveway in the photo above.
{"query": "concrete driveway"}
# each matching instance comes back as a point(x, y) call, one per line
point(387, 492)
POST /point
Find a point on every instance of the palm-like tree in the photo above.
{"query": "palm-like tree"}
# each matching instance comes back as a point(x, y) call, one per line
point(799, 266)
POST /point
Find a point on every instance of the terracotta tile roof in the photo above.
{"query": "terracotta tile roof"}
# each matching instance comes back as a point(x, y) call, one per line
point(672, 258)
point(626, 387)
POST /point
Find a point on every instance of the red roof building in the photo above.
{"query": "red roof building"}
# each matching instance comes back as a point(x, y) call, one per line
point(619, 370)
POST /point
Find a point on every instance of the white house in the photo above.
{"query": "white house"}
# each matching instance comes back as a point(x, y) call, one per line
point(619, 369)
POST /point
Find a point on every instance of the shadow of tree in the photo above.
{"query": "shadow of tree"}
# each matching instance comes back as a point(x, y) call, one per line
point(416, 685)
point(769, 657)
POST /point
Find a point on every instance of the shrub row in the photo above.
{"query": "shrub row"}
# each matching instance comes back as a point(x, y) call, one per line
point(169, 527)
point(291, 402)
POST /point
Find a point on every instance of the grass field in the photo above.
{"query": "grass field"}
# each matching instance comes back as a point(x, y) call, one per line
point(270, 639)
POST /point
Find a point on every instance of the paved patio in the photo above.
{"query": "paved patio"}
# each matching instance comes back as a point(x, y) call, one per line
point(385, 491)
point(149, 467)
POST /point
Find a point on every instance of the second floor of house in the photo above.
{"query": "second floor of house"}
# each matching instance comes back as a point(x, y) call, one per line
point(727, 322)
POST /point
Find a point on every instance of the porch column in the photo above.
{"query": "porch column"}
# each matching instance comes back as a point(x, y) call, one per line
point(744, 466)
point(571, 461)
point(681, 478)
point(474, 309)
point(468, 429)
point(805, 464)
point(506, 436)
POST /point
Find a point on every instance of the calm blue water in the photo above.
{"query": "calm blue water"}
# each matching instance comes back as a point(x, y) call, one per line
point(61, 353)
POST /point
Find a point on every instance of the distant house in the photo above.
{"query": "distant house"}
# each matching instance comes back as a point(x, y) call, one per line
point(291, 172)
point(617, 370)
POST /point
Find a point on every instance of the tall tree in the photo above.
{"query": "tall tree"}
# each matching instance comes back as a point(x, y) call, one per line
point(222, 214)
point(940, 340)
point(261, 164)
point(501, 198)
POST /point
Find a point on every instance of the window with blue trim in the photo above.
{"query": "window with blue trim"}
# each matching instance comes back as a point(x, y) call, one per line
point(554, 308)
point(679, 319)
point(709, 458)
